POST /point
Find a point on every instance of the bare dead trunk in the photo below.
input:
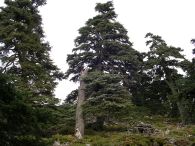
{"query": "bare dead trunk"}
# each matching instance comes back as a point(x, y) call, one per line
point(79, 111)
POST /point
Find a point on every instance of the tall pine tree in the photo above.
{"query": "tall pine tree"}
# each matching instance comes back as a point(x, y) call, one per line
point(24, 53)
point(162, 65)
point(102, 45)
point(104, 49)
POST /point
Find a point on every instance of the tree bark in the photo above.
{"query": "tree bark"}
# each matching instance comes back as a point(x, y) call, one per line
point(80, 125)
point(183, 113)
point(179, 102)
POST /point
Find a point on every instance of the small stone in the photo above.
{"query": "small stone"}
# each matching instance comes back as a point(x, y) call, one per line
point(56, 143)
point(78, 134)
point(167, 132)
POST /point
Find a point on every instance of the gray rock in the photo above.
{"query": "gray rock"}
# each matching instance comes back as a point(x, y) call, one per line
point(144, 128)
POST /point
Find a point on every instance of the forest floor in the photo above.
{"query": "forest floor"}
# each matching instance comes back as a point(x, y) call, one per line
point(167, 133)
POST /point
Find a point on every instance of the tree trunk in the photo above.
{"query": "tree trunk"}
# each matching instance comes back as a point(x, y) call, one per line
point(182, 111)
point(79, 111)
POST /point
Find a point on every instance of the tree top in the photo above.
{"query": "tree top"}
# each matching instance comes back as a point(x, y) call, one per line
point(106, 8)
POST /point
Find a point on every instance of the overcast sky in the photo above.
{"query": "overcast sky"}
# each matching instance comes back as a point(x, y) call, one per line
point(174, 20)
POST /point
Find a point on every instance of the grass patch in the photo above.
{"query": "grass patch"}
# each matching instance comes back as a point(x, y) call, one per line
point(118, 135)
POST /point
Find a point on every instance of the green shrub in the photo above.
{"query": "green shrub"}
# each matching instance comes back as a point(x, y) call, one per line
point(29, 140)
point(63, 138)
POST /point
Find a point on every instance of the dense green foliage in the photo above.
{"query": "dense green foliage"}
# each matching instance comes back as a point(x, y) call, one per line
point(162, 65)
point(106, 97)
point(102, 45)
point(27, 76)
point(18, 120)
point(24, 53)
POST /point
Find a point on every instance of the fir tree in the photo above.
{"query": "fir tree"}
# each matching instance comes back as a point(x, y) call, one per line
point(24, 52)
point(162, 65)
point(103, 46)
